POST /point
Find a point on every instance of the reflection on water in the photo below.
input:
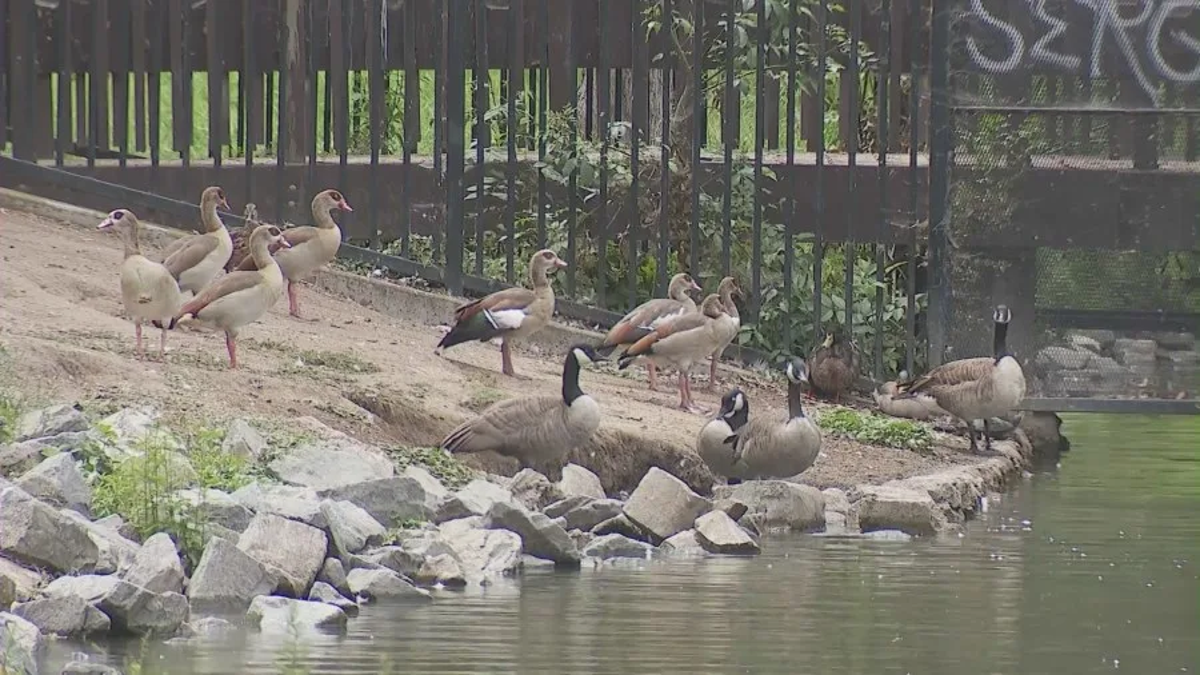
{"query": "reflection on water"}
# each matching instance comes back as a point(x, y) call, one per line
point(1088, 568)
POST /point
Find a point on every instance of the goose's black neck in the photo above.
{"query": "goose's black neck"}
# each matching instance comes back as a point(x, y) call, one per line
point(999, 341)
point(795, 396)
point(570, 379)
point(738, 418)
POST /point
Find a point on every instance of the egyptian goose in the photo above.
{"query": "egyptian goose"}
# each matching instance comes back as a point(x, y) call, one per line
point(512, 314)
point(769, 447)
point(196, 259)
point(148, 290)
point(834, 364)
point(310, 247)
point(538, 431)
point(977, 388)
point(643, 318)
point(716, 441)
point(241, 297)
point(680, 343)
point(731, 323)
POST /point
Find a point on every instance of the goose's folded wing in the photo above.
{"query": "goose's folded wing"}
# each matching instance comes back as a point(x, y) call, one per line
point(226, 285)
point(189, 255)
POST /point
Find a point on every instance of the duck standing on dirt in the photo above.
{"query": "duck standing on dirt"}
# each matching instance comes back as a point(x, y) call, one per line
point(731, 323)
point(834, 364)
point(512, 314)
point(645, 317)
point(769, 447)
point(195, 260)
point(242, 297)
point(976, 388)
point(539, 432)
point(241, 238)
point(717, 439)
point(148, 291)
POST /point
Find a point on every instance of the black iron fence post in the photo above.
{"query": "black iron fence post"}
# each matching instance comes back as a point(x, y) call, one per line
point(457, 14)
point(941, 138)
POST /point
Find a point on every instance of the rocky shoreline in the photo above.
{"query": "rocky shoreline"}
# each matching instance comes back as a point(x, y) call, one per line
point(332, 522)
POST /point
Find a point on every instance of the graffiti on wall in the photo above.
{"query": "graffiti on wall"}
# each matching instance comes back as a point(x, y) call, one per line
point(1158, 41)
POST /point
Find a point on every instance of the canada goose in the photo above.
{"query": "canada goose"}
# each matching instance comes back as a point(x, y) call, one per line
point(309, 247)
point(977, 388)
point(643, 318)
point(538, 431)
point(731, 323)
point(148, 290)
point(196, 259)
point(512, 314)
point(834, 364)
point(680, 343)
point(769, 447)
point(717, 438)
point(241, 297)
point(920, 406)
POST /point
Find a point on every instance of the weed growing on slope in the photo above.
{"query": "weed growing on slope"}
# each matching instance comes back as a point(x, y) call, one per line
point(875, 429)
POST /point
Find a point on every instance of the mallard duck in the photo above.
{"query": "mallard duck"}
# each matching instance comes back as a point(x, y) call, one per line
point(512, 314)
point(148, 291)
point(196, 259)
point(643, 319)
point(731, 324)
point(680, 343)
point(977, 388)
point(538, 431)
point(834, 364)
point(770, 447)
point(716, 441)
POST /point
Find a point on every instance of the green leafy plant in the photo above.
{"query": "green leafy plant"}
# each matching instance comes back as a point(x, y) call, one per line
point(216, 468)
point(10, 412)
point(867, 427)
point(453, 473)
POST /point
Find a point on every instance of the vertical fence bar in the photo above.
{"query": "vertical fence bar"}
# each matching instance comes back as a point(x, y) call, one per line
point(21, 68)
point(186, 113)
point(340, 58)
point(138, 64)
point(573, 177)
point(729, 118)
point(249, 77)
point(603, 111)
point(376, 44)
point(217, 109)
point(818, 239)
point(760, 128)
point(640, 80)
point(914, 188)
point(311, 89)
point(63, 108)
point(698, 95)
point(441, 53)
point(543, 99)
point(516, 76)
point(281, 134)
point(850, 248)
point(482, 139)
point(456, 15)
point(667, 63)
point(412, 123)
point(154, 98)
point(883, 81)
point(789, 218)
point(97, 79)
point(941, 138)
point(4, 74)
point(119, 29)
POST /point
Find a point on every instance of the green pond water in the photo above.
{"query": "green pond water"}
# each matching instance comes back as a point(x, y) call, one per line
point(1088, 566)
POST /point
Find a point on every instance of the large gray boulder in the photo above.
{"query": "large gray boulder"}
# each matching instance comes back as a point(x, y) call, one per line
point(888, 507)
point(592, 514)
point(90, 588)
point(59, 482)
point(37, 534)
point(717, 533)
point(390, 500)
point(399, 559)
point(137, 610)
point(115, 553)
point(441, 570)
point(577, 480)
point(285, 501)
point(243, 440)
point(17, 583)
point(273, 614)
point(562, 506)
point(684, 544)
point(227, 578)
point(474, 499)
point(66, 615)
point(157, 567)
point(56, 419)
point(331, 463)
point(334, 574)
point(383, 584)
point(617, 546)
point(540, 536)
point(621, 524)
point(214, 506)
point(351, 528)
point(533, 490)
point(292, 548)
point(23, 645)
point(485, 555)
point(663, 505)
point(323, 592)
point(435, 492)
point(88, 668)
point(841, 517)
point(17, 458)
point(776, 504)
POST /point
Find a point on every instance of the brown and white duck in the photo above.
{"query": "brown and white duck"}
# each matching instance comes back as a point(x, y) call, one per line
point(681, 343)
point(512, 314)
point(241, 238)
point(645, 317)
point(730, 324)
point(241, 297)
point(310, 247)
point(833, 365)
point(148, 291)
point(195, 260)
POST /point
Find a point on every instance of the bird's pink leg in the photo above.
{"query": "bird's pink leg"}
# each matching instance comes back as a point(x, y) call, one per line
point(506, 365)
point(231, 346)
point(652, 373)
point(162, 345)
point(293, 302)
point(137, 331)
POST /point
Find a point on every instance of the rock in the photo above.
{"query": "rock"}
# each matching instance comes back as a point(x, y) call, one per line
point(23, 583)
point(215, 506)
point(441, 569)
point(485, 555)
point(66, 615)
point(620, 524)
point(323, 592)
point(562, 506)
point(380, 584)
point(18, 458)
point(718, 533)
point(776, 504)
point(227, 578)
point(120, 432)
point(57, 419)
point(294, 549)
point(885, 507)
point(1182, 359)
point(294, 503)
point(272, 613)
point(115, 553)
point(533, 490)
point(8, 592)
point(1043, 429)
point(389, 500)
point(734, 508)
point(243, 440)
point(157, 567)
point(840, 515)
point(435, 492)
point(1064, 358)
point(333, 574)
point(1174, 341)
point(888, 535)
point(35, 533)
point(684, 544)
point(1079, 341)
point(137, 610)
point(663, 505)
point(540, 536)
point(22, 643)
point(351, 528)
point(88, 668)
point(68, 442)
point(475, 499)
point(580, 481)
point(115, 523)
point(91, 588)
point(581, 539)
point(396, 558)
point(331, 463)
point(617, 546)
point(1135, 352)
point(592, 514)
point(211, 626)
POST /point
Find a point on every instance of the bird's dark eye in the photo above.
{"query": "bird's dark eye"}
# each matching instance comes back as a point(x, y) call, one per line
point(336, 197)
point(117, 215)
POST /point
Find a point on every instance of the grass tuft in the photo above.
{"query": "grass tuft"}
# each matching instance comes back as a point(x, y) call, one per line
point(867, 427)
point(453, 473)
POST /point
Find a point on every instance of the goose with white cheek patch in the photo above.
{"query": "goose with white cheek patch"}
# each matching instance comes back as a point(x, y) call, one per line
point(148, 291)
point(717, 439)
point(771, 447)
point(512, 314)
point(977, 388)
point(539, 432)
point(644, 318)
